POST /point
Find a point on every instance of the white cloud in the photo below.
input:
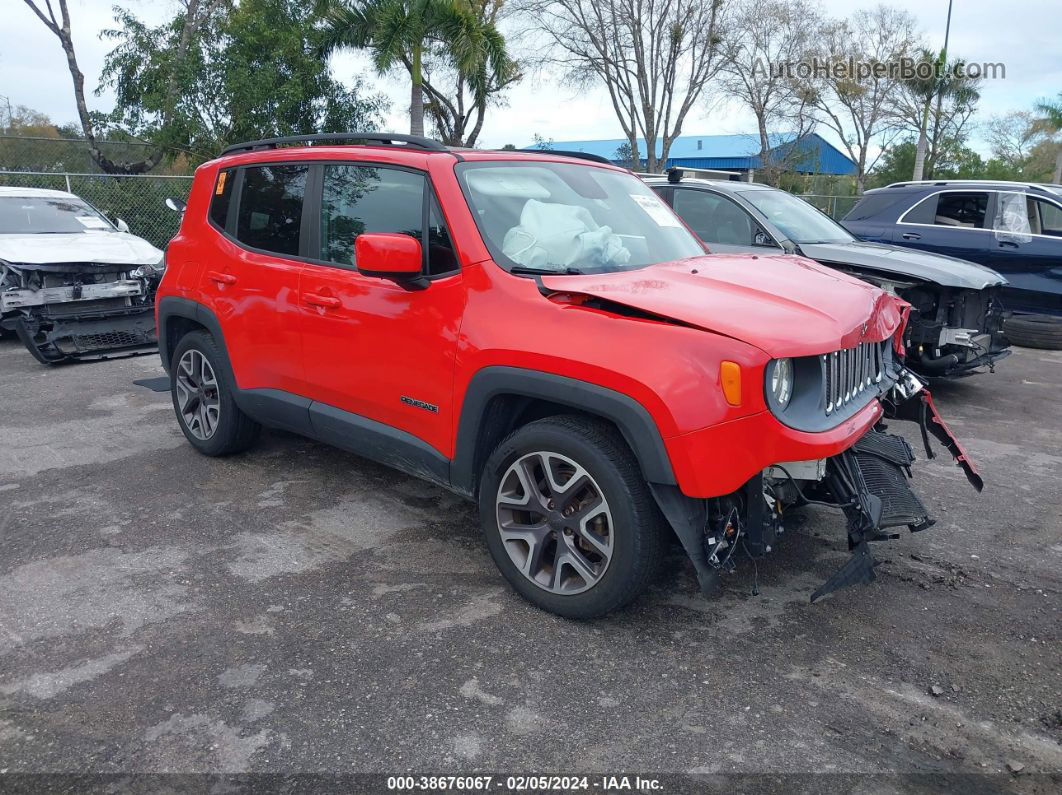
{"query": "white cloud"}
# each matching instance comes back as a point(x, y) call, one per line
point(1023, 35)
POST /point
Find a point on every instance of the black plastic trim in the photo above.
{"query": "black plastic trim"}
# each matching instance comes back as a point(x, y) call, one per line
point(379, 442)
point(632, 419)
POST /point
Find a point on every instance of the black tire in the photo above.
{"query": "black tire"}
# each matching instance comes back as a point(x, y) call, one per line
point(1034, 331)
point(235, 431)
point(639, 536)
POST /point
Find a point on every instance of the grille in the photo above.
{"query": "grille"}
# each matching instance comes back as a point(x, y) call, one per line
point(113, 339)
point(851, 372)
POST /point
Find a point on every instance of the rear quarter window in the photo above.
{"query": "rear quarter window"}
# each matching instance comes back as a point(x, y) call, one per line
point(923, 212)
point(222, 197)
point(870, 207)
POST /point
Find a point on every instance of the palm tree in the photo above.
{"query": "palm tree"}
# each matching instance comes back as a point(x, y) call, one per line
point(401, 31)
point(1051, 122)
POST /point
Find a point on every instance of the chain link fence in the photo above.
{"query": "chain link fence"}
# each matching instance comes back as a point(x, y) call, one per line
point(138, 200)
point(837, 207)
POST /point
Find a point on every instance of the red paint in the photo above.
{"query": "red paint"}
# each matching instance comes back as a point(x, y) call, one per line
point(387, 254)
point(361, 343)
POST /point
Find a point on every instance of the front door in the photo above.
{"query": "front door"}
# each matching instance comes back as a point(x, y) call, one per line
point(373, 348)
point(1026, 247)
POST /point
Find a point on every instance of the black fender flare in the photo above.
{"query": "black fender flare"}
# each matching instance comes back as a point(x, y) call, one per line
point(631, 417)
point(172, 306)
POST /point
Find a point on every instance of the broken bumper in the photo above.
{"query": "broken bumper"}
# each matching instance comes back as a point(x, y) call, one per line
point(870, 482)
point(91, 335)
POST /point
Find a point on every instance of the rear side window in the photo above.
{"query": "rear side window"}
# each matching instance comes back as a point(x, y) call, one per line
point(270, 209)
point(220, 201)
point(359, 199)
point(962, 209)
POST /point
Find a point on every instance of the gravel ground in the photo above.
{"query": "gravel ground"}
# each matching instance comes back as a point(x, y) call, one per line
point(297, 608)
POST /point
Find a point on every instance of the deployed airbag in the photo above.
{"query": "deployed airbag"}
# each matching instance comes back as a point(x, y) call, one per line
point(558, 236)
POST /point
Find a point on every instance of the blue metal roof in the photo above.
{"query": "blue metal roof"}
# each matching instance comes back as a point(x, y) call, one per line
point(726, 151)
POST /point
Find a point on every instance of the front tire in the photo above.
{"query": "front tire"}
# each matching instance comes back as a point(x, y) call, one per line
point(202, 391)
point(568, 517)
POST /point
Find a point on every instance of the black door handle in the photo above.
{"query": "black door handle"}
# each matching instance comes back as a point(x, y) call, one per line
point(1007, 244)
point(911, 236)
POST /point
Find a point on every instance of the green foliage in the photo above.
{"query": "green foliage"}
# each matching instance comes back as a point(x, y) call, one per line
point(1052, 113)
point(253, 71)
point(404, 33)
point(955, 161)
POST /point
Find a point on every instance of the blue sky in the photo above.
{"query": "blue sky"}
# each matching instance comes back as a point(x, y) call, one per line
point(1026, 35)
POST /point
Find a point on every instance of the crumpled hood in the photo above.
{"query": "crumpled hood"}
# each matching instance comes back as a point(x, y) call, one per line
point(786, 306)
point(110, 248)
point(909, 262)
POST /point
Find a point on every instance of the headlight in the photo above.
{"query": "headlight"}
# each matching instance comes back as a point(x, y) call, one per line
point(148, 271)
point(780, 382)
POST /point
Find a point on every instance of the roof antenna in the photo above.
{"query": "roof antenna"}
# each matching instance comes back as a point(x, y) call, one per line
point(674, 175)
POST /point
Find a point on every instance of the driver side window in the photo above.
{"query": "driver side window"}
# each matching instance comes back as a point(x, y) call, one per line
point(715, 218)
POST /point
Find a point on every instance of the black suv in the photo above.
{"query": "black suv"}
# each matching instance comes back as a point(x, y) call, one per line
point(1012, 227)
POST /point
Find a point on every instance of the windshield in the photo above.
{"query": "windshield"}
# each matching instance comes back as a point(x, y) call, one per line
point(567, 218)
point(22, 215)
point(798, 220)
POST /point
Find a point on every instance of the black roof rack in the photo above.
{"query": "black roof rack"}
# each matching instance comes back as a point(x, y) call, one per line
point(387, 139)
point(564, 153)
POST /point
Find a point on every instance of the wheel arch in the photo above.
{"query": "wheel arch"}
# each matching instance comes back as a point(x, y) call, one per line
point(180, 316)
point(500, 399)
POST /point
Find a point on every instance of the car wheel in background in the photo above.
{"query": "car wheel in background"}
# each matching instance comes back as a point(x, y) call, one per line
point(568, 517)
point(1034, 331)
point(201, 388)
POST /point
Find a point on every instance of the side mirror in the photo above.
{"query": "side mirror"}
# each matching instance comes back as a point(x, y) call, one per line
point(121, 225)
point(177, 205)
point(397, 257)
point(761, 238)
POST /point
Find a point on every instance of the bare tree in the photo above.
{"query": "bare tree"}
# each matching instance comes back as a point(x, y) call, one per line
point(196, 13)
point(769, 39)
point(655, 58)
point(1013, 136)
point(856, 103)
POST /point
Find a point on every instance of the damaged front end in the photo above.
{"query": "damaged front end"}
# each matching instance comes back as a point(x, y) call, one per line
point(869, 482)
point(953, 332)
point(80, 310)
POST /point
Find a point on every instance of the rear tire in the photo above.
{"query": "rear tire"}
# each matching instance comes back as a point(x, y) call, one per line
point(1034, 331)
point(202, 388)
point(592, 538)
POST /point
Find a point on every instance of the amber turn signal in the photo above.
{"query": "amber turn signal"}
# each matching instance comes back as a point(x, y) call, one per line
point(730, 378)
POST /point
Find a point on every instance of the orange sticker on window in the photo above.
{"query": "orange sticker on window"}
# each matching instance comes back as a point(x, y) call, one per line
point(224, 175)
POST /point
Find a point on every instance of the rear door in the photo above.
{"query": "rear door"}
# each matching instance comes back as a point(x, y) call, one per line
point(250, 278)
point(372, 347)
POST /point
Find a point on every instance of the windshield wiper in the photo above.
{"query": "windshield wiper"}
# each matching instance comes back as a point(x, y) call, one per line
point(525, 270)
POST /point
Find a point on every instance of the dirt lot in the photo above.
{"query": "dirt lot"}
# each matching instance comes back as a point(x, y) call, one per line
point(298, 608)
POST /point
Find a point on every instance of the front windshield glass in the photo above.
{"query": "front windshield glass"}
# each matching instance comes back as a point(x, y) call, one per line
point(567, 218)
point(24, 215)
point(798, 220)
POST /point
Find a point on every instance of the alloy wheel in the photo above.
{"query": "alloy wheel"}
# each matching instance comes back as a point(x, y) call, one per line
point(197, 394)
point(555, 522)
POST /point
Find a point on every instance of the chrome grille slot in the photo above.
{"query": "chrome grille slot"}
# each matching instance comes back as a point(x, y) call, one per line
point(848, 373)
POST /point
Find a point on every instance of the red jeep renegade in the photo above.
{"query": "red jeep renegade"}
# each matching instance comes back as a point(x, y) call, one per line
point(539, 333)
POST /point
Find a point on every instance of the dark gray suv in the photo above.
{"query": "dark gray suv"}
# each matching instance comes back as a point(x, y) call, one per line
point(956, 320)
